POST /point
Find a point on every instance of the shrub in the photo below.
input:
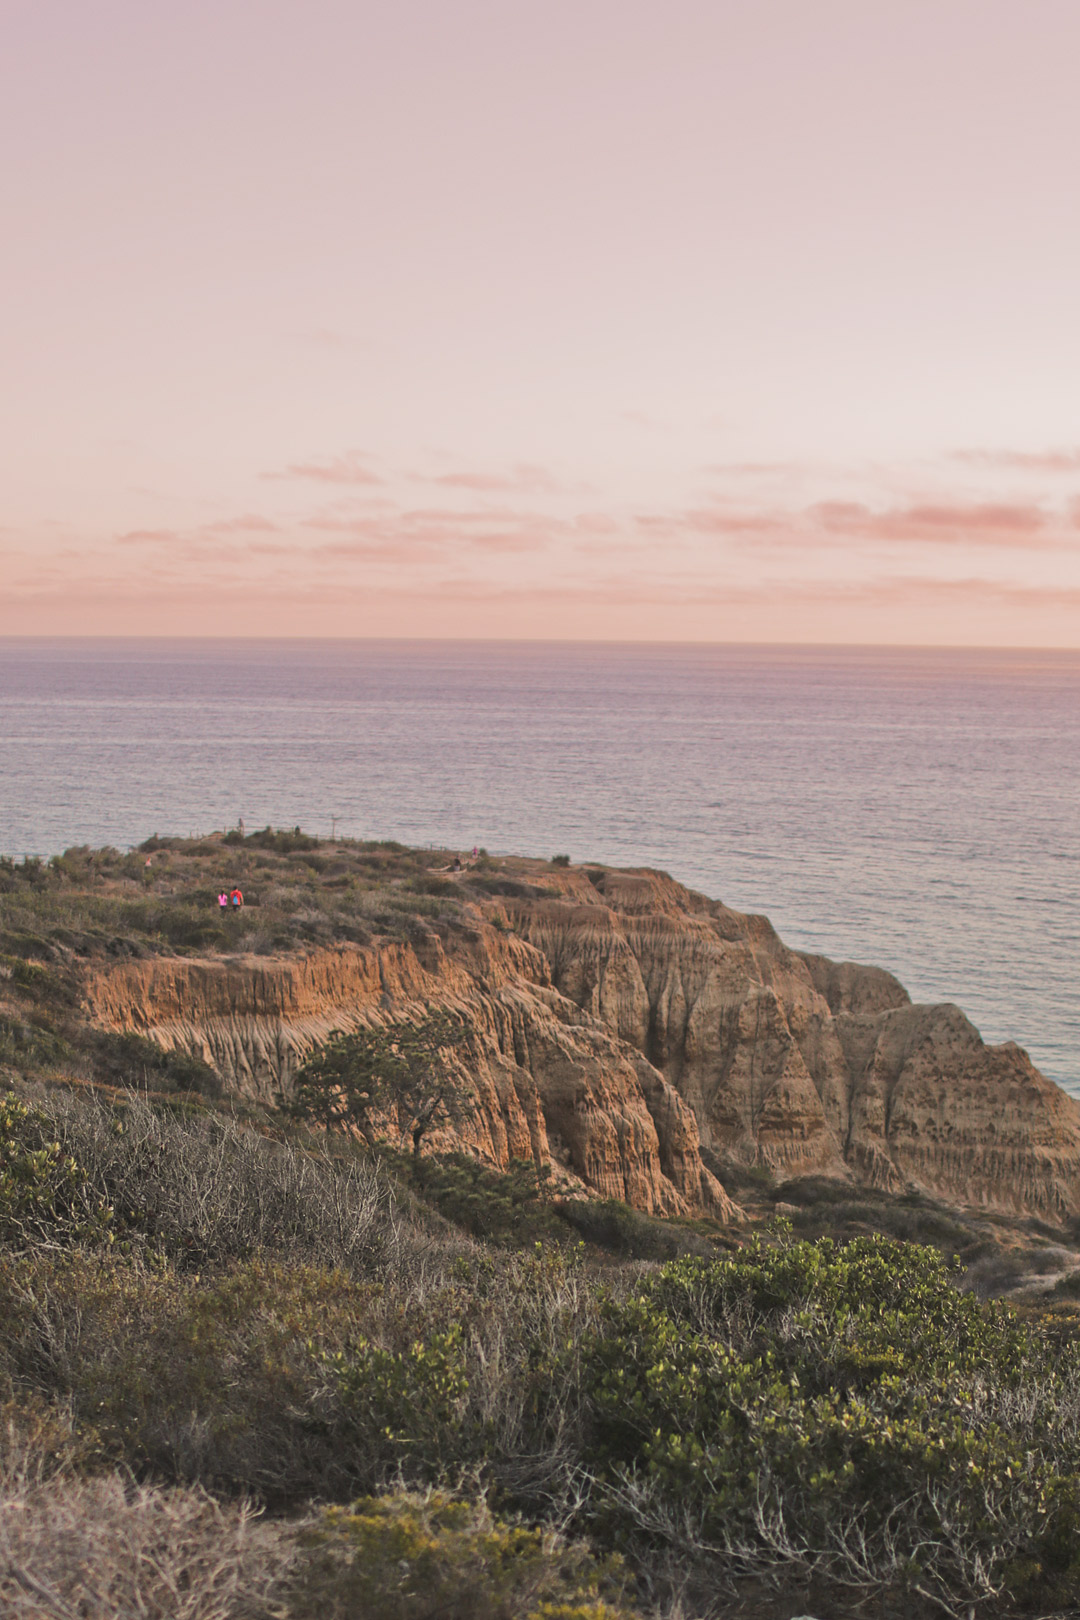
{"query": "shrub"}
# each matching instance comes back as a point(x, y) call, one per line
point(102, 1548)
point(434, 1556)
point(27, 1044)
point(507, 1207)
point(45, 1195)
point(844, 1409)
point(129, 1061)
point(208, 1190)
point(560, 860)
point(403, 1407)
point(625, 1232)
point(282, 842)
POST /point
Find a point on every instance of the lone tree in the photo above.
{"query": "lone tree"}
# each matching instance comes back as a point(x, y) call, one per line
point(360, 1076)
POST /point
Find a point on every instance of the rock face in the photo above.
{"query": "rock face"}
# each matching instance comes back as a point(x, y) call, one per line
point(546, 1082)
point(623, 1023)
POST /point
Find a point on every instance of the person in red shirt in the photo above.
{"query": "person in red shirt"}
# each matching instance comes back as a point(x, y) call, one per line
point(237, 899)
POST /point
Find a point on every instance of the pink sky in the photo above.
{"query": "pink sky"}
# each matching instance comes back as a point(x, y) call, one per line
point(716, 319)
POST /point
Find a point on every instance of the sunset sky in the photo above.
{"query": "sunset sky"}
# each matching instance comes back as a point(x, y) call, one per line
point(705, 319)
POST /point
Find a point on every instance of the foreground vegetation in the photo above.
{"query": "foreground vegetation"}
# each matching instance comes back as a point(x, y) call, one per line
point(191, 1306)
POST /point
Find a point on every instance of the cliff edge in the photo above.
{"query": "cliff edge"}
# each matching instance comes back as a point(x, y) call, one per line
point(631, 1033)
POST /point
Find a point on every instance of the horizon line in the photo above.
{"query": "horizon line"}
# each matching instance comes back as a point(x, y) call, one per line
point(548, 641)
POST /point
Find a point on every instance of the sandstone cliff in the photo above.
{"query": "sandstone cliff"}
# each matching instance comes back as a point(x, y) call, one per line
point(547, 1083)
point(624, 1024)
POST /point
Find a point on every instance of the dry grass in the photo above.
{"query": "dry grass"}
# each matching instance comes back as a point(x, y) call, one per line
point(106, 1549)
point(205, 1189)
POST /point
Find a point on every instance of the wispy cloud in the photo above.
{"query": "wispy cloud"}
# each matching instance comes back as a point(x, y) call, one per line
point(938, 523)
point(1039, 461)
point(248, 523)
point(523, 479)
point(506, 529)
point(351, 468)
point(149, 537)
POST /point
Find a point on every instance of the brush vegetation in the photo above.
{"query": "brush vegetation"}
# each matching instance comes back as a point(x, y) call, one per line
point(249, 1367)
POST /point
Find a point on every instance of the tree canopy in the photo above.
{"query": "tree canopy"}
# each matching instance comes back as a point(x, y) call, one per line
point(359, 1078)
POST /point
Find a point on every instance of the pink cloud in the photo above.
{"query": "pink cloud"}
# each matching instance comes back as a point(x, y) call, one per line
point(938, 523)
point(1048, 461)
point(718, 521)
point(347, 469)
point(751, 469)
point(525, 478)
point(250, 522)
point(501, 529)
point(149, 537)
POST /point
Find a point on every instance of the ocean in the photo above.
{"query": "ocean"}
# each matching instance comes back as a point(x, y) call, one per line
point(913, 808)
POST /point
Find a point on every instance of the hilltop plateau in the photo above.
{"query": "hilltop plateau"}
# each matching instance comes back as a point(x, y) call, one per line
point(646, 1043)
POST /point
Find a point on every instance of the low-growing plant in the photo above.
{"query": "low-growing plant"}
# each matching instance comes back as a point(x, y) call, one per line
point(437, 1556)
point(511, 1207)
point(403, 1408)
point(28, 1044)
point(101, 1548)
point(625, 1232)
point(202, 1189)
point(131, 1062)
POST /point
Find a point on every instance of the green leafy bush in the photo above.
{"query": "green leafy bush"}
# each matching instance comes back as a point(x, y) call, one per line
point(405, 1406)
point(625, 1232)
point(840, 1408)
point(29, 1044)
point(282, 842)
point(45, 1195)
point(130, 1061)
point(508, 1207)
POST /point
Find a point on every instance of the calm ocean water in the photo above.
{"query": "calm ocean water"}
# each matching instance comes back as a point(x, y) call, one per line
point(915, 809)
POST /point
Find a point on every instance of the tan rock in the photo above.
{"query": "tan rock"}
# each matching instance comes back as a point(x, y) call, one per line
point(623, 1022)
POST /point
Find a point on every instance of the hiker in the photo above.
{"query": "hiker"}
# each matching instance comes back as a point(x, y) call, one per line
point(223, 900)
point(237, 899)
point(457, 864)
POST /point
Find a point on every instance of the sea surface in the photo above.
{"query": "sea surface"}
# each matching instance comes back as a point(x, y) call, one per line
point(917, 809)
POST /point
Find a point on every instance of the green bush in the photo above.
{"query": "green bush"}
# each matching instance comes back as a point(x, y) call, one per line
point(623, 1231)
point(434, 1556)
point(200, 1190)
point(27, 1044)
point(835, 1407)
point(509, 1207)
point(282, 842)
point(404, 1407)
point(130, 1061)
point(45, 1195)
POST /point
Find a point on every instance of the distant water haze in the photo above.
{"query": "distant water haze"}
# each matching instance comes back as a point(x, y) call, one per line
point(916, 809)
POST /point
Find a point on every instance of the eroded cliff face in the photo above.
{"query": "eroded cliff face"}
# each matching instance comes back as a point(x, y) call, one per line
point(623, 1022)
point(546, 1082)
